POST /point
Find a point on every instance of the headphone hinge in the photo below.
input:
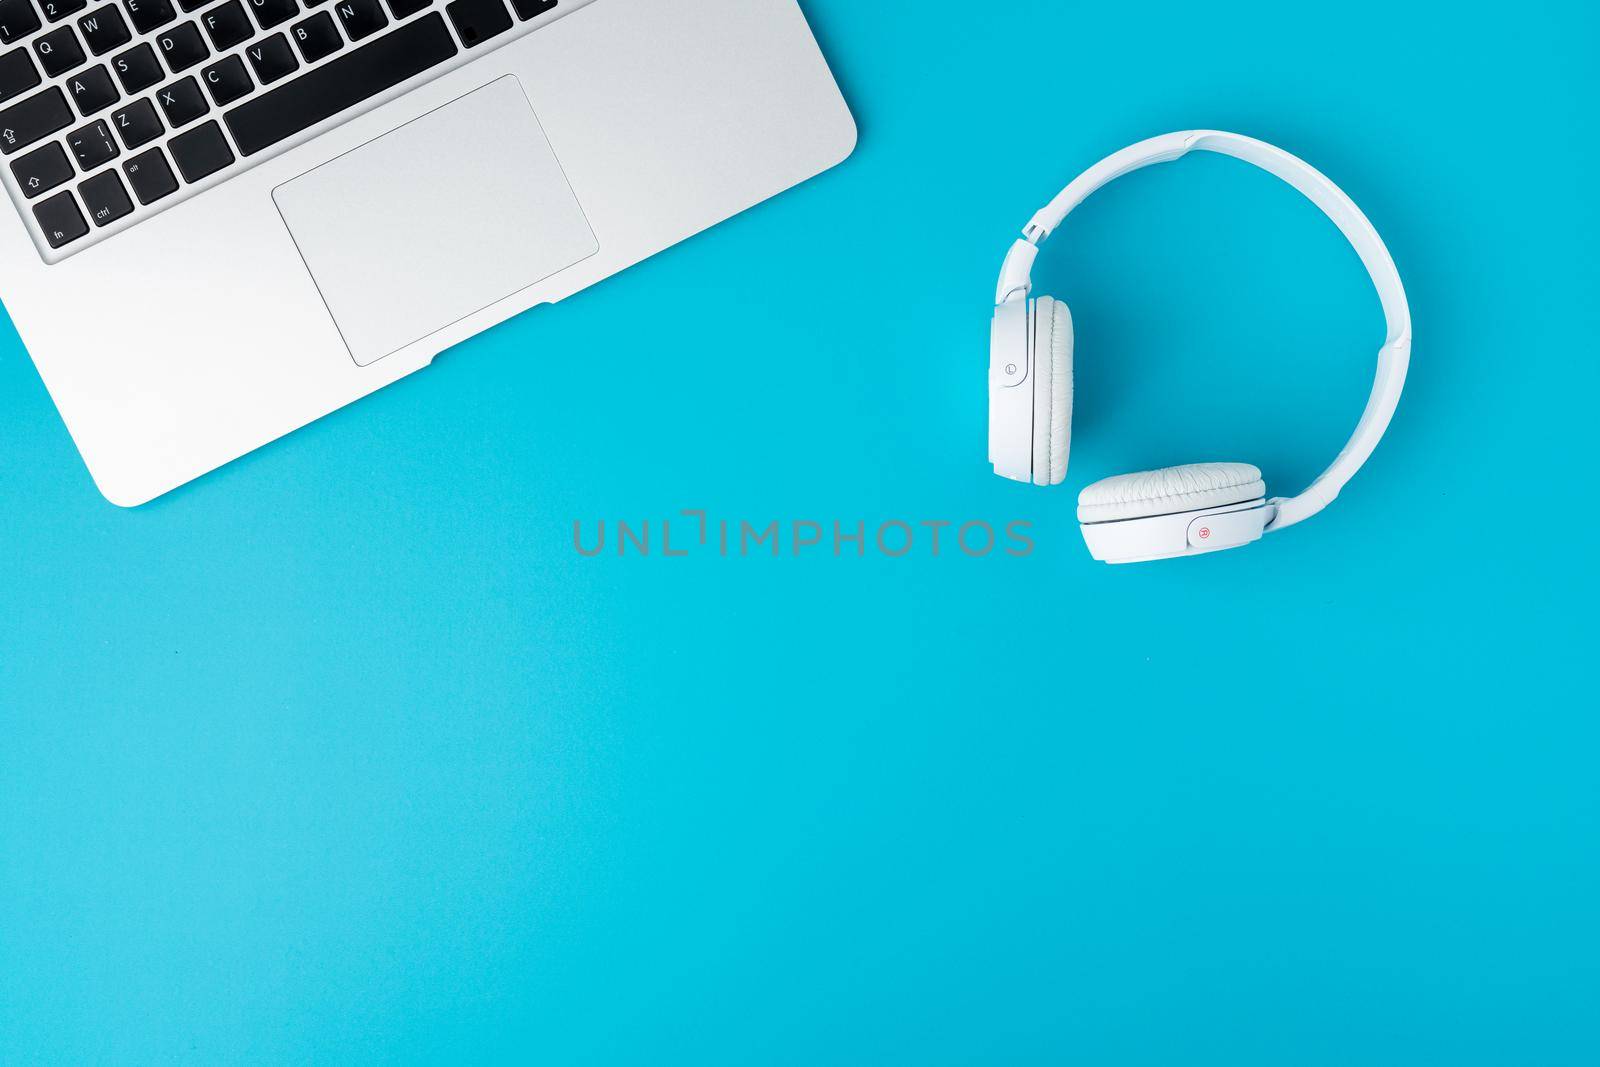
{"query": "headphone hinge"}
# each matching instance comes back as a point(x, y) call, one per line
point(1016, 277)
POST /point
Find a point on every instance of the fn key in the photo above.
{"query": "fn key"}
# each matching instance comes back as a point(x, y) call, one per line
point(200, 152)
point(60, 220)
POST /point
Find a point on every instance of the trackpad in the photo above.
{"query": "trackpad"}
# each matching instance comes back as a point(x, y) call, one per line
point(436, 220)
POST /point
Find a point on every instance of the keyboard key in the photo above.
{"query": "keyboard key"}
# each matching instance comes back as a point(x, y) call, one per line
point(103, 30)
point(56, 10)
point(92, 145)
point(227, 80)
point(60, 220)
point(26, 121)
point(316, 37)
point(104, 197)
point(182, 46)
point(227, 25)
point(478, 20)
point(41, 170)
point(404, 9)
point(270, 13)
point(137, 124)
point(59, 51)
point(17, 20)
point(182, 102)
point(149, 15)
point(200, 152)
point(18, 74)
point(92, 90)
point(138, 68)
point(272, 58)
point(150, 176)
point(341, 83)
point(194, 5)
point(361, 18)
point(527, 9)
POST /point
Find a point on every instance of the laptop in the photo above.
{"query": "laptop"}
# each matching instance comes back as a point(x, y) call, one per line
point(231, 217)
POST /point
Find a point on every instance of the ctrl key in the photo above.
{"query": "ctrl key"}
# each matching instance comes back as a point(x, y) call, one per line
point(105, 198)
point(60, 219)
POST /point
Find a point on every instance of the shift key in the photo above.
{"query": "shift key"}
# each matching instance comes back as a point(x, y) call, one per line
point(38, 116)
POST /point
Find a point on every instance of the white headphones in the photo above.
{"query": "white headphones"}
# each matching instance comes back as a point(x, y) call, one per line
point(1178, 511)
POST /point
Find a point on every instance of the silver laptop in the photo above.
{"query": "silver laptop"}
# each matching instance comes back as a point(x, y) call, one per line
point(231, 217)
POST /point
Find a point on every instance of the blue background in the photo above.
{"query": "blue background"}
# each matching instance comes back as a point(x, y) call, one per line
point(344, 755)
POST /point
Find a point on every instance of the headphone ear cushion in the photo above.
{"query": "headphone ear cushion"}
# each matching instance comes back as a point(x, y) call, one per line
point(1171, 490)
point(1052, 414)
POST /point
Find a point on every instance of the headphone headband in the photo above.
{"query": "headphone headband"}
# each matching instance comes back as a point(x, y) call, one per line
point(1394, 358)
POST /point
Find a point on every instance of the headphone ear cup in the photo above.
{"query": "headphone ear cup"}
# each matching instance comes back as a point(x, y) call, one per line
point(1052, 397)
point(1170, 491)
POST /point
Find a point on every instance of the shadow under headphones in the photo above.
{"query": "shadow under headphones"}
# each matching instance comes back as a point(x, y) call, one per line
point(1177, 511)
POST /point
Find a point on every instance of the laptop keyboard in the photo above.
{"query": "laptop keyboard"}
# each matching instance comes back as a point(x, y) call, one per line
point(110, 111)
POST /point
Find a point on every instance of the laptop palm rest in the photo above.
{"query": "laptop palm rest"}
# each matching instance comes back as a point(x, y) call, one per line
point(436, 220)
